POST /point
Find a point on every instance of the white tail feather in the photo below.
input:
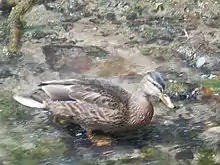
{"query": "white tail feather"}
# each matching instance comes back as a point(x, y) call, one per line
point(29, 102)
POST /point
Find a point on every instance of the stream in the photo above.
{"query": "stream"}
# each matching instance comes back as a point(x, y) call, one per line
point(121, 41)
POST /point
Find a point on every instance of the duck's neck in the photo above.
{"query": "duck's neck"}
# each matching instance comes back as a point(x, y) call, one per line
point(140, 107)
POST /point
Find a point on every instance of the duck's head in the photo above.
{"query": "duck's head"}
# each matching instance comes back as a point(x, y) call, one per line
point(153, 84)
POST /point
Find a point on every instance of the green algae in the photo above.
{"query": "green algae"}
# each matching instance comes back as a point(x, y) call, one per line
point(176, 87)
point(148, 150)
point(154, 50)
point(206, 157)
point(95, 51)
point(18, 133)
point(11, 110)
point(40, 149)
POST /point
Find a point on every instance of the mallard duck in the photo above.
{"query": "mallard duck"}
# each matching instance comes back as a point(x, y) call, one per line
point(98, 104)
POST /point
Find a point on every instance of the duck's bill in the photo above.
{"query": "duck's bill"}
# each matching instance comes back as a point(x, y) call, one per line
point(166, 100)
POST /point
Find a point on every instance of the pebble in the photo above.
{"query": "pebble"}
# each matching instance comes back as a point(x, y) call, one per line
point(200, 62)
point(168, 122)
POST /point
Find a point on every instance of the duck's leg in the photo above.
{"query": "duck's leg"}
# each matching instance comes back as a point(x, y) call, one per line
point(98, 140)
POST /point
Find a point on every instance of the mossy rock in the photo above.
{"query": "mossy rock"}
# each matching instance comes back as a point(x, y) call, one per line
point(176, 87)
point(180, 90)
point(154, 51)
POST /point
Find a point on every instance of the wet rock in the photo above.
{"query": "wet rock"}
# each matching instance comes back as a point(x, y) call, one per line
point(49, 5)
point(69, 58)
point(95, 20)
point(39, 16)
point(96, 52)
point(72, 7)
point(71, 19)
point(110, 16)
point(155, 36)
point(211, 19)
point(211, 137)
point(183, 155)
point(104, 33)
point(66, 58)
point(160, 53)
point(5, 72)
point(39, 34)
point(170, 74)
point(67, 22)
point(199, 53)
point(7, 5)
point(131, 16)
point(35, 67)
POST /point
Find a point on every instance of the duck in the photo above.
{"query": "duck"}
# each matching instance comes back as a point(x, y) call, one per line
point(98, 104)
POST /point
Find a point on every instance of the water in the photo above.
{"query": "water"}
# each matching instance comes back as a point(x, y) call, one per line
point(28, 136)
point(188, 134)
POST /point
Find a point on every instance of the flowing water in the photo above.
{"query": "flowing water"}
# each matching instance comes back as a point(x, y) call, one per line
point(28, 136)
point(188, 134)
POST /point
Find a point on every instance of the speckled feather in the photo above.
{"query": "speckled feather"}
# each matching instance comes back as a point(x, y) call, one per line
point(99, 104)
point(95, 104)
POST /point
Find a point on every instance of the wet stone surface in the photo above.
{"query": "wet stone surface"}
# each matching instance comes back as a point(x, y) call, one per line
point(121, 41)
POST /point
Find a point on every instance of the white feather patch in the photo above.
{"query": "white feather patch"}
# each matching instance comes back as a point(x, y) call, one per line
point(29, 102)
point(59, 81)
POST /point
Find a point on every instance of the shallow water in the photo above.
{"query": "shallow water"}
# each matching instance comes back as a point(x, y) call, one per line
point(29, 137)
point(188, 134)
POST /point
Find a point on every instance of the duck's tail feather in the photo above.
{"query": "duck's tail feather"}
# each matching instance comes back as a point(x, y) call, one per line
point(29, 101)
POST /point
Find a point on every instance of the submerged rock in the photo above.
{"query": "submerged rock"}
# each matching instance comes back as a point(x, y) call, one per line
point(70, 58)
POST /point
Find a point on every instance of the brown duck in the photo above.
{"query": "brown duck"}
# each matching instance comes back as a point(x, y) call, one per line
point(98, 104)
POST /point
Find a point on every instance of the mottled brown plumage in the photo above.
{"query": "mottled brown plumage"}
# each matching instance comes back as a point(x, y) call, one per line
point(98, 104)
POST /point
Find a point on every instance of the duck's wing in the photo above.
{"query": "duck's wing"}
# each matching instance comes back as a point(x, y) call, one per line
point(102, 92)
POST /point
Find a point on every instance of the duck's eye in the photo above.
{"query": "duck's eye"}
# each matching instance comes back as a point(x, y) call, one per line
point(154, 84)
point(158, 86)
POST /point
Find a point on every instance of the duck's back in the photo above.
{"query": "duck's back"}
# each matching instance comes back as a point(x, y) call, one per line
point(92, 103)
